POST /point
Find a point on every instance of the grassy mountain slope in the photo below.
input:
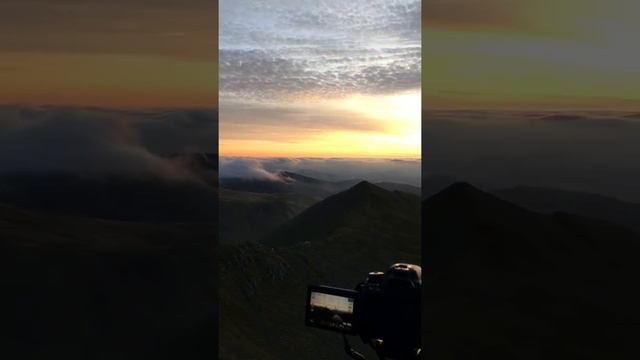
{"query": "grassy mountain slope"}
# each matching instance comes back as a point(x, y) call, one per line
point(247, 216)
point(79, 287)
point(336, 242)
point(367, 208)
point(503, 282)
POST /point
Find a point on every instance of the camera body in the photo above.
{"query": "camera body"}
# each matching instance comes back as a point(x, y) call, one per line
point(384, 310)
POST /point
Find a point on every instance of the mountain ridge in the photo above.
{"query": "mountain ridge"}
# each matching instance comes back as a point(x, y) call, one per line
point(360, 204)
point(287, 181)
point(591, 205)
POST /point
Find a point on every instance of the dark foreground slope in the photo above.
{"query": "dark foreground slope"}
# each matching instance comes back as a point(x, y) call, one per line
point(83, 288)
point(335, 242)
point(135, 199)
point(503, 282)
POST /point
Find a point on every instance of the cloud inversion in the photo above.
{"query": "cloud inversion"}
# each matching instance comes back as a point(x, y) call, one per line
point(102, 142)
point(332, 169)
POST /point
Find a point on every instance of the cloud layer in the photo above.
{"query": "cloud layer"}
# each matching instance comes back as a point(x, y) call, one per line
point(97, 142)
point(331, 48)
point(335, 169)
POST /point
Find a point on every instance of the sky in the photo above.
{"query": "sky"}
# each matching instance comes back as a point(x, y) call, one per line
point(320, 78)
point(118, 53)
point(531, 54)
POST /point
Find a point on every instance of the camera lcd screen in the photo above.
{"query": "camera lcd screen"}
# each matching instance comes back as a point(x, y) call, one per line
point(331, 308)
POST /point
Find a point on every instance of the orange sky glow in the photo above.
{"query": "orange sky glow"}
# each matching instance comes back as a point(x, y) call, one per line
point(135, 53)
point(531, 54)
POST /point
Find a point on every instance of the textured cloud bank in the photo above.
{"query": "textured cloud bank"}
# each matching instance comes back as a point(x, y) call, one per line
point(335, 169)
point(595, 151)
point(284, 48)
point(93, 141)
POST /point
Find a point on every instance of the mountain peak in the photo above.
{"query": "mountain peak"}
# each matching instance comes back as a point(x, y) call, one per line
point(460, 190)
point(363, 204)
point(463, 199)
point(365, 185)
point(365, 189)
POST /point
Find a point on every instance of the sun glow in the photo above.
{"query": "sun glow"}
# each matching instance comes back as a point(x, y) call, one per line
point(390, 127)
point(398, 112)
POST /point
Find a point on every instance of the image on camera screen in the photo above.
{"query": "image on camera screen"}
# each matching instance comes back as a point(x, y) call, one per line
point(331, 309)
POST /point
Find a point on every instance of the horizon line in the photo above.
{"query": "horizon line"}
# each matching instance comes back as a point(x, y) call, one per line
point(390, 157)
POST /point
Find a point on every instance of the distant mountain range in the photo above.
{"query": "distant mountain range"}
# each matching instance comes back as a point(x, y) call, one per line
point(504, 282)
point(289, 182)
point(580, 203)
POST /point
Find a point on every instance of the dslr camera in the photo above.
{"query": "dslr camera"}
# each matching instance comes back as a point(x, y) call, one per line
point(384, 310)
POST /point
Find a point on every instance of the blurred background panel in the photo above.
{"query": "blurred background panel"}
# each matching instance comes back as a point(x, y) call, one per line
point(531, 201)
point(108, 179)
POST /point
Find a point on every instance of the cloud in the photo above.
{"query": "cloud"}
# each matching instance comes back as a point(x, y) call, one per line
point(246, 168)
point(333, 48)
point(587, 151)
point(262, 74)
point(99, 142)
point(179, 131)
point(333, 169)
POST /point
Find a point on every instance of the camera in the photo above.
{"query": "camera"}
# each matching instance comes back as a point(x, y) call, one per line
point(384, 310)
